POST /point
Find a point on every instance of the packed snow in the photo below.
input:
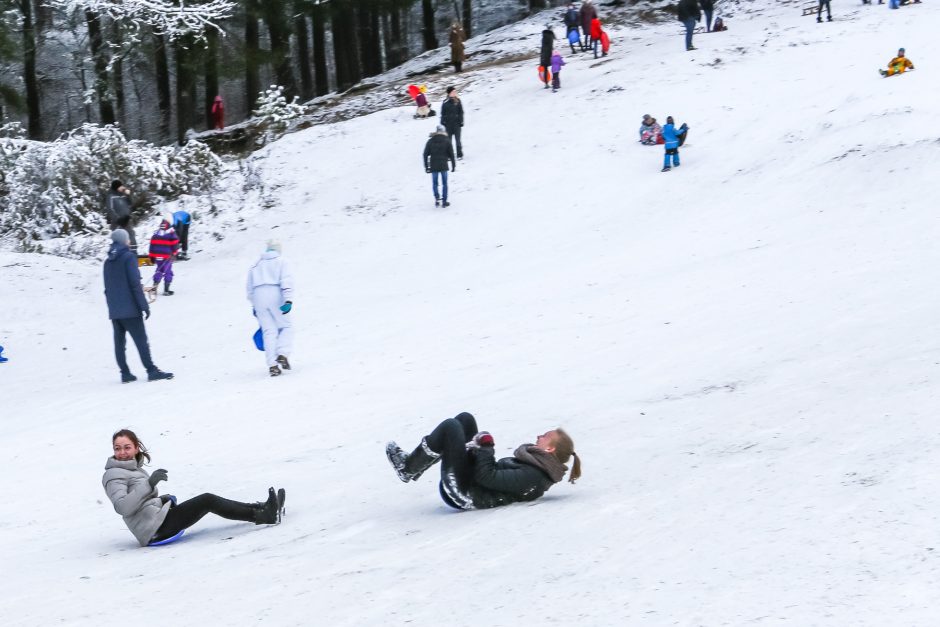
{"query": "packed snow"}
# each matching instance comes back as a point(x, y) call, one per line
point(746, 351)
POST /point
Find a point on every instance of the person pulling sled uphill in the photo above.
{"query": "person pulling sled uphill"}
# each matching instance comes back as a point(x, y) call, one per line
point(154, 518)
point(438, 151)
point(163, 248)
point(673, 139)
point(472, 478)
point(271, 290)
point(898, 65)
point(572, 25)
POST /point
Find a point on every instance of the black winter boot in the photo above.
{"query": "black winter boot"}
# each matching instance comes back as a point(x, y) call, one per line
point(267, 513)
point(410, 467)
point(166, 289)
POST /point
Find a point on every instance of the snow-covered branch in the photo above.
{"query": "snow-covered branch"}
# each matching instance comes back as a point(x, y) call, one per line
point(171, 19)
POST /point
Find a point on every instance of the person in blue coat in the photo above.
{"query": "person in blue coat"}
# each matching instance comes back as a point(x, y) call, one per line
point(127, 307)
point(672, 136)
point(181, 220)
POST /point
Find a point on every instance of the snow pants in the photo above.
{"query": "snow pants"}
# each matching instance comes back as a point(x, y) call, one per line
point(275, 326)
point(188, 513)
point(164, 270)
point(134, 326)
point(183, 231)
point(449, 440)
point(675, 157)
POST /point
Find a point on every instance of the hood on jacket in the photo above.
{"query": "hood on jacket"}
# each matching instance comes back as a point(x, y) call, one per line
point(117, 249)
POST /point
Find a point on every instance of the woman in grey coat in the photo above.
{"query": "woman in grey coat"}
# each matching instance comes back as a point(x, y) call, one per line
point(153, 517)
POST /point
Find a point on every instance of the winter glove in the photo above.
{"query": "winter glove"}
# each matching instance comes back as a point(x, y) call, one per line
point(483, 438)
point(168, 498)
point(453, 169)
point(254, 312)
point(285, 308)
point(147, 314)
point(428, 170)
point(156, 477)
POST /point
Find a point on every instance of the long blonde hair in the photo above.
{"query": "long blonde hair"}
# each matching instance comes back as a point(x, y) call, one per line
point(564, 450)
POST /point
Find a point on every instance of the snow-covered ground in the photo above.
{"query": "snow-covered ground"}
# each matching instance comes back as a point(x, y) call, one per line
point(746, 351)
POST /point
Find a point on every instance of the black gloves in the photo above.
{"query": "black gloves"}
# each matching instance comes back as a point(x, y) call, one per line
point(157, 476)
point(147, 315)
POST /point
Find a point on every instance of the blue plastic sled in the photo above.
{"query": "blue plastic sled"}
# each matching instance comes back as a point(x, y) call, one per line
point(2, 358)
point(259, 339)
point(574, 37)
point(168, 540)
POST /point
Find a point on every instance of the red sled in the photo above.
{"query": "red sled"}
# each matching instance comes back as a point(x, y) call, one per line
point(545, 74)
point(605, 42)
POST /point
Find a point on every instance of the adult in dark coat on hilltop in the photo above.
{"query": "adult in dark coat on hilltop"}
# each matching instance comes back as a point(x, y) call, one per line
point(545, 55)
point(708, 7)
point(127, 307)
point(438, 151)
point(117, 207)
point(588, 13)
point(457, 37)
point(452, 118)
point(573, 25)
point(689, 13)
point(472, 477)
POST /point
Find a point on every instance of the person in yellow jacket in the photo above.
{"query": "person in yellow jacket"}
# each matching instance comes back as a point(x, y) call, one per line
point(898, 65)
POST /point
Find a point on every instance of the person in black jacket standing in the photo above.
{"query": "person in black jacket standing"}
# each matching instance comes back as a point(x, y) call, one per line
point(472, 478)
point(545, 55)
point(572, 25)
point(437, 152)
point(127, 307)
point(452, 118)
point(118, 210)
point(689, 13)
point(708, 7)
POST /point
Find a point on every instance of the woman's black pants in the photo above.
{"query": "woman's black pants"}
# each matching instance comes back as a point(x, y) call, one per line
point(449, 440)
point(188, 513)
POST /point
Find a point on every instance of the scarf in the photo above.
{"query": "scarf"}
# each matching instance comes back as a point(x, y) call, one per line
point(534, 456)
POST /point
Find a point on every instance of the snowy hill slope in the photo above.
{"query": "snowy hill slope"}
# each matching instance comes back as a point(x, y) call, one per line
point(745, 351)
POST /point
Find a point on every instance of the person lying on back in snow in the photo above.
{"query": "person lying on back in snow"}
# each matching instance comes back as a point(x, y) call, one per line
point(898, 65)
point(153, 517)
point(651, 132)
point(471, 476)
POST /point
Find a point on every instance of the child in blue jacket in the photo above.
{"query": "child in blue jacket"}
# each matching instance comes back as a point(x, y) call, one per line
point(672, 137)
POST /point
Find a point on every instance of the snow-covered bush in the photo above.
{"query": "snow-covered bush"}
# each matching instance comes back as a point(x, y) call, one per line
point(273, 113)
point(49, 189)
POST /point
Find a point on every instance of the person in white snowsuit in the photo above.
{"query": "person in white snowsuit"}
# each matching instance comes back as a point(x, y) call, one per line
point(270, 290)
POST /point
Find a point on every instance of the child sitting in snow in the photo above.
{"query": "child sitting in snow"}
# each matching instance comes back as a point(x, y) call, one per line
point(898, 65)
point(163, 248)
point(651, 133)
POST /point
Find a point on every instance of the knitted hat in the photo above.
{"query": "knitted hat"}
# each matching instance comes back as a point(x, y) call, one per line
point(441, 129)
point(273, 245)
point(120, 236)
point(115, 184)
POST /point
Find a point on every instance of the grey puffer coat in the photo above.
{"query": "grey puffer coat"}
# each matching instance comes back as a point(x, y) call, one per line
point(128, 487)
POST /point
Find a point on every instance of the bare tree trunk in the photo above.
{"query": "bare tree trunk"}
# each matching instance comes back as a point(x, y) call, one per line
point(185, 87)
point(252, 54)
point(322, 78)
point(105, 108)
point(427, 18)
point(303, 51)
point(369, 39)
point(34, 125)
point(163, 86)
point(118, 77)
point(279, 34)
point(345, 46)
point(211, 74)
point(467, 17)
